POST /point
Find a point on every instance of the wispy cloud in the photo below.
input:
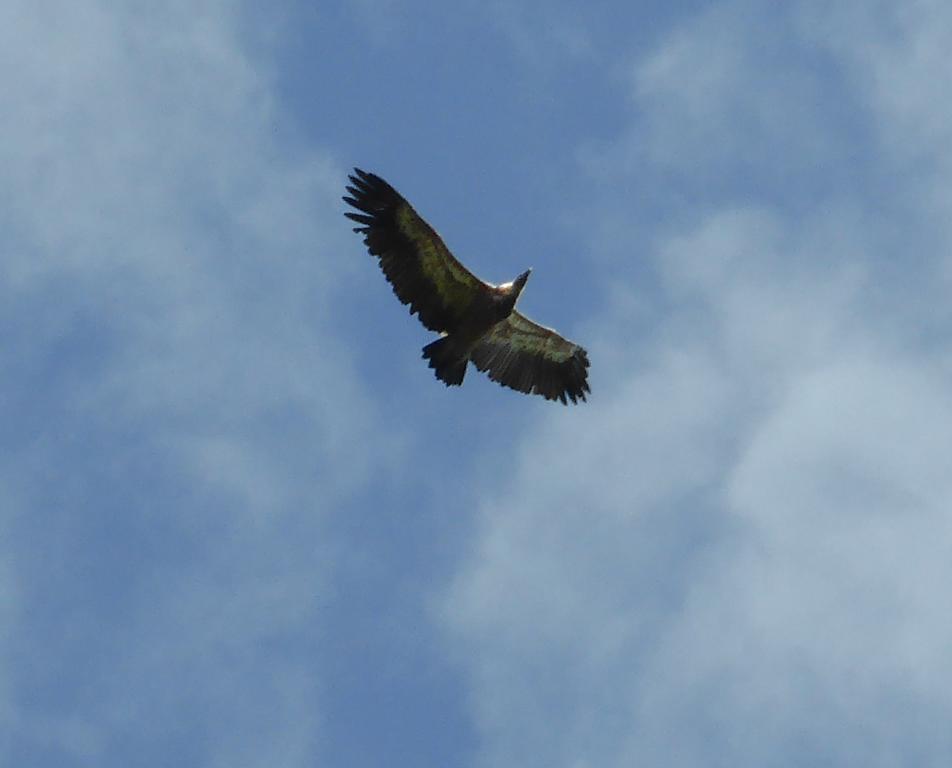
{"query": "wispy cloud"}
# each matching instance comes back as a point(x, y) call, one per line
point(179, 420)
point(735, 556)
point(542, 33)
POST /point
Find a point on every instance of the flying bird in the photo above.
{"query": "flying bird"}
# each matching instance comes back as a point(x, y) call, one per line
point(477, 321)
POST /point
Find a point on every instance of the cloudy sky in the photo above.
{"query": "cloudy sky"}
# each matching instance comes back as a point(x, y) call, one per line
point(242, 525)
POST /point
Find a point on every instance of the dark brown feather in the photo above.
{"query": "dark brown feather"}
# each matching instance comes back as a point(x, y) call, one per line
point(531, 358)
point(477, 320)
point(419, 266)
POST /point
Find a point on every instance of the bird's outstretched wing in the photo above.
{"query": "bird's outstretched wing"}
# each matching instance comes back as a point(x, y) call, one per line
point(421, 269)
point(531, 358)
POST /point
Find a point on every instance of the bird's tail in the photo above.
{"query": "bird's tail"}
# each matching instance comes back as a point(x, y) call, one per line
point(447, 360)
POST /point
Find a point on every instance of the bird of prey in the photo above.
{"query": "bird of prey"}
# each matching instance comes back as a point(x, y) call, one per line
point(477, 321)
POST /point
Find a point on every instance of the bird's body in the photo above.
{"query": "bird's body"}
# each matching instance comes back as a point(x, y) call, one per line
point(477, 321)
point(449, 354)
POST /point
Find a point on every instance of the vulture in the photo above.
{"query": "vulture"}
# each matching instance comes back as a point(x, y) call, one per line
point(477, 321)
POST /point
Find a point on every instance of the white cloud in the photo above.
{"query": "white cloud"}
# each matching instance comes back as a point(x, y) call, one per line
point(894, 54)
point(170, 371)
point(895, 58)
point(743, 99)
point(735, 554)
point(540, 34)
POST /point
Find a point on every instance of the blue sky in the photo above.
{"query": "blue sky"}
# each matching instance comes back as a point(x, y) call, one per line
point(241, 523)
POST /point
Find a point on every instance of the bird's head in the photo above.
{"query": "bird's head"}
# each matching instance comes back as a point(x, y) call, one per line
point(507, 293)
point(515, 287)
point(519, 283)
